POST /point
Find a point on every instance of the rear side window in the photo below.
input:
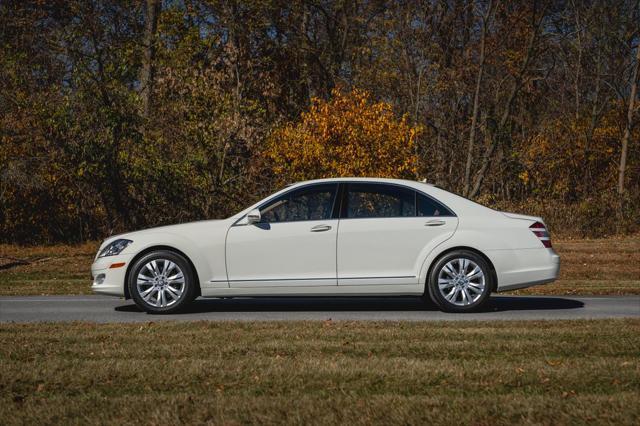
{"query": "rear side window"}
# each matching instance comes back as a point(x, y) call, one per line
point(368, 200)
point(429, 207)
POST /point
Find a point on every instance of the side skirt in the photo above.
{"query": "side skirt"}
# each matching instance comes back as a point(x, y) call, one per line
point(332, 290)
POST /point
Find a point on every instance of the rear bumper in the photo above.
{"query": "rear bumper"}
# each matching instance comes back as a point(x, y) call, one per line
point(107, 279)
point(525, 268)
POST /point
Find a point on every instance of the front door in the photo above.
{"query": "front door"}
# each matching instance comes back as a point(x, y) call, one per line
point(293, 245)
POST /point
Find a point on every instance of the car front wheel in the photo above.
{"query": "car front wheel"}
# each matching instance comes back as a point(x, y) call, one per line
point(460, 281)
point(162, 282)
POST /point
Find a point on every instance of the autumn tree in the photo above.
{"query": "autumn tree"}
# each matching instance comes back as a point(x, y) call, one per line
point(120, 114)
point(349, 135)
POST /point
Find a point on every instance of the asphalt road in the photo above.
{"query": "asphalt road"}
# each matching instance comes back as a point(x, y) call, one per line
point(105, 309)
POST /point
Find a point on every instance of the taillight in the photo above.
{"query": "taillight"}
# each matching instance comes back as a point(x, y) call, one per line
point(541, 232)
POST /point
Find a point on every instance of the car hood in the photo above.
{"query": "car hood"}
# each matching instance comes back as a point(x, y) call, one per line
point(178, 229)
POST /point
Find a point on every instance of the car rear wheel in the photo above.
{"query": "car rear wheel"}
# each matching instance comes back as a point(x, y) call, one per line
point(460, 281)
point(162, 282)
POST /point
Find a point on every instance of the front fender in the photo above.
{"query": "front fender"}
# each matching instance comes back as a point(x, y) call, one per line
point(206, 256)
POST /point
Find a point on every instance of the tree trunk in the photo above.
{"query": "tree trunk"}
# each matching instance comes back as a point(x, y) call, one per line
point(476, 101)
point(593, 124)
point(579, 64)
point(506, 114)
point(627, 129)
point(307, 58)
point(147, 76)
point(497, 136)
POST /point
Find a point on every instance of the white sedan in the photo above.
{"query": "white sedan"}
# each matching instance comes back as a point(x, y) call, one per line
point(334, 237)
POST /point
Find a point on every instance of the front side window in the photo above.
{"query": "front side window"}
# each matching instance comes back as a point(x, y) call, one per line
point(368, 200)
point(309, 203)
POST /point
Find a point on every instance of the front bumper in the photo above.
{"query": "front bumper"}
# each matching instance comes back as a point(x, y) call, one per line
point(109, 274)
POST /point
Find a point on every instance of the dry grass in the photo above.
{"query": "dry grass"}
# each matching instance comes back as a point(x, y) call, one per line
point(555, 372)
point(599, 266)
point(59, 269)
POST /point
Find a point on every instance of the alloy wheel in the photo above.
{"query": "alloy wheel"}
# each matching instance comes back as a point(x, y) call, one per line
point(160, 283)
point(461, 282)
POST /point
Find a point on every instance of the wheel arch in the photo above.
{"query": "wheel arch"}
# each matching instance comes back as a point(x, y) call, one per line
point(492, 268)
point(127, 295)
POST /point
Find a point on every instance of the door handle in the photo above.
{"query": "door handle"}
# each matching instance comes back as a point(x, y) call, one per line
point(435, 222)
point(320, 228)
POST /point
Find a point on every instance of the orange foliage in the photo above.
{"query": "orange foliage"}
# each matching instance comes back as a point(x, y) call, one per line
point(350, 135)
point(569, 156)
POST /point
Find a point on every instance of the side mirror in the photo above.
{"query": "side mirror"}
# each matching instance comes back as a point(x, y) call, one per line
point(253, 216)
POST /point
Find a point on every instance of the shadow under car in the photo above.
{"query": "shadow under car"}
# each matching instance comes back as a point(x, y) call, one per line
point(336, 304)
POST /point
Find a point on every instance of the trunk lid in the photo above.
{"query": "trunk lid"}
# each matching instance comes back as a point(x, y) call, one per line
point(522, 217)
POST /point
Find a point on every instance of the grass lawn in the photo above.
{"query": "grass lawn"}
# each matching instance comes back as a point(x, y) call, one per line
point(604, 266)
point(546, 372)
point(57, 269)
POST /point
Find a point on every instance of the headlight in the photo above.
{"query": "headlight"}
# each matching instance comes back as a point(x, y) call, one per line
point(114, 247)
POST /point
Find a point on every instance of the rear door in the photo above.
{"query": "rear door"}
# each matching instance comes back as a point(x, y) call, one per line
point(384, 231)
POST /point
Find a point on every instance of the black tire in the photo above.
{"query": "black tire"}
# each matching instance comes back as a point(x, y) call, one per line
point(189, 292)
point(446, 305)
